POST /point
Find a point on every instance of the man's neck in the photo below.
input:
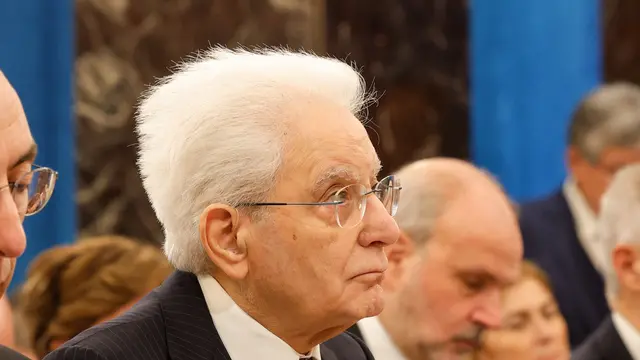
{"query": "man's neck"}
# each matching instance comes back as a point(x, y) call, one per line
point(294, 329)
point(628, 308)
point(394, 324)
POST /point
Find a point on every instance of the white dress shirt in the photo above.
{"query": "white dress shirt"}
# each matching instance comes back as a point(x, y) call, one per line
point(585, 223)
point(243, 337)
point(378, 340)
point(629, 334)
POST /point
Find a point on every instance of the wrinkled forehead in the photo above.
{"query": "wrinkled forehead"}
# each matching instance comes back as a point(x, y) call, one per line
point(330, 144)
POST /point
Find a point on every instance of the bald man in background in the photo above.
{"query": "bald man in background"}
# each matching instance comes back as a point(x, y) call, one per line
point(460, 246)
point(17, 172)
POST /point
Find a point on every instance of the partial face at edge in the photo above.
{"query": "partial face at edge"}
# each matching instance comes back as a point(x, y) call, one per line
point(298, 255)
point(532, 328)
point(455, 290)
point(16, 158)
point(593, 179)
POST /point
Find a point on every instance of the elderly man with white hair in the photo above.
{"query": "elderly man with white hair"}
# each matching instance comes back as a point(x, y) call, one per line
point(618, 337)
point(266, 184)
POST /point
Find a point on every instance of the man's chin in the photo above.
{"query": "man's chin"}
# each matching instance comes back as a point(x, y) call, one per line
point(7, 267)
point(373, 301)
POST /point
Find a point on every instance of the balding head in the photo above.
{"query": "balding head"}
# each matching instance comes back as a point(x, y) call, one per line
point(16, 158)
point(461, 246)
point(430, 185)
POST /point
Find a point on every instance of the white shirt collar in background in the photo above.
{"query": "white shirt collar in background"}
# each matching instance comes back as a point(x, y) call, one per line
point(585, 223)
point(378, 340)
point(243, 337)
point(630, 335)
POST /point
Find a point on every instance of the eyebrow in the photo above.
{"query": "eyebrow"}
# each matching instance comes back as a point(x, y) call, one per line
point(334, 174)
point(30, 155)
point(343, 173)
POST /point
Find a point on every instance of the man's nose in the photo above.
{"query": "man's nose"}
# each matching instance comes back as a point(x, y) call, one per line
point(12, 237)
point(379, 225)
point(489, 312)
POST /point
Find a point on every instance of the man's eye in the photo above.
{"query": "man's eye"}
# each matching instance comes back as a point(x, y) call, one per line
point(19, 187)
point(340, 196)
point(474, 284)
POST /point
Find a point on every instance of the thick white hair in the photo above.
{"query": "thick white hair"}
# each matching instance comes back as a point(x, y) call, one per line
point(619, 219)
point(212, 132)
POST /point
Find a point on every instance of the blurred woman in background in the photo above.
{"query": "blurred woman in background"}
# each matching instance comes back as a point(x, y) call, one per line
point(532, 326)
point(71, 288)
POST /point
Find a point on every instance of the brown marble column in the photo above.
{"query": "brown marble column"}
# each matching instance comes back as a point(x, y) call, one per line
point(416, 52)
point(124, 44)
point(621, 40)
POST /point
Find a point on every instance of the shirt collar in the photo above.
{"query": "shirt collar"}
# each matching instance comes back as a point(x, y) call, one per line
point(585, 223)
point(628, 333)
point(378, 340)
point(242, 336)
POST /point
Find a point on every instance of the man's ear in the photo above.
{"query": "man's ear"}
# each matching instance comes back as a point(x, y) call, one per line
point(398, 254)
point(218, 233)
point(626, 262)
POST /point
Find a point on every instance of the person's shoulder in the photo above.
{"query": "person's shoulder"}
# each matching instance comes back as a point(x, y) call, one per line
point(542, 205)
point(347, 346)
point(8, 354)
point(138, 331)
point(585, 351)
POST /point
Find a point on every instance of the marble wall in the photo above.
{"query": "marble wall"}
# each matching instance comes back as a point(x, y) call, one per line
point(416, 52)
point(621, 40)
point(124, 44)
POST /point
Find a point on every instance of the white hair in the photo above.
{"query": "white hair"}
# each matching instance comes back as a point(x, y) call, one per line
point(619, 219)
point(213, 132)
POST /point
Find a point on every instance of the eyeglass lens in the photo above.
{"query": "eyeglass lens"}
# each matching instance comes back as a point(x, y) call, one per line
point(351, 211)
point(32, 191)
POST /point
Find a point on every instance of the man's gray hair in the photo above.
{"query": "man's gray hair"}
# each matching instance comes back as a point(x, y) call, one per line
point(619, 218)
point(609, 116)
point(213, 132)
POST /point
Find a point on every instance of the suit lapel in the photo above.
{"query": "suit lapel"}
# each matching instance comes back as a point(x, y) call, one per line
point(609, 344)
point(326, 353)
point(355, 330)
point(191, 333)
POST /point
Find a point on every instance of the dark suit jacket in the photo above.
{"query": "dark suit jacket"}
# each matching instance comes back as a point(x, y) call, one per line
point(8, 354)
point(604, 344)
point(550, 240)
point(355, 330)
point(173, 322)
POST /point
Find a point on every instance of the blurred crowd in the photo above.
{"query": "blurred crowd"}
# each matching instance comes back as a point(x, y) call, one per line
point(282, 242)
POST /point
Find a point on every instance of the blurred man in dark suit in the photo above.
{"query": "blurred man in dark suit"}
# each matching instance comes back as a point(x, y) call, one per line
point(558, 231)
point(460, 246)
point(267, 187)
point(21, 186)
point(618, 229)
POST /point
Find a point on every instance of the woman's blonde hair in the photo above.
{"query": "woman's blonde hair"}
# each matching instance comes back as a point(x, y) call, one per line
point(532, 271)
point(69, 288)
